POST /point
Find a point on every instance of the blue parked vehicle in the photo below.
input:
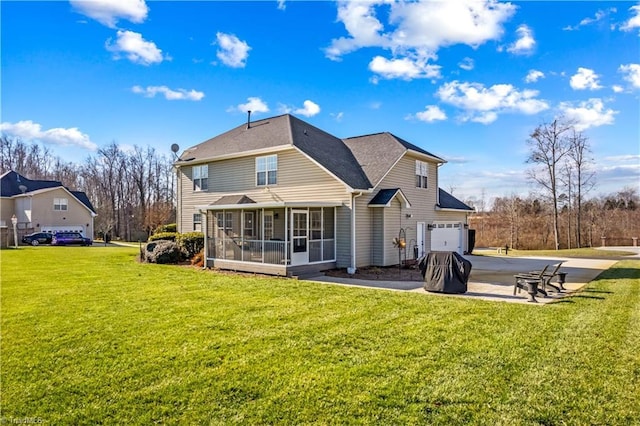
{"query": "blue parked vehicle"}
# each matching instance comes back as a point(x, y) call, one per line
point(68, 238)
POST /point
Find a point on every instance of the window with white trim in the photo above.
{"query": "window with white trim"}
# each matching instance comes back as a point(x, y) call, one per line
point(422, 171)
point(267, 170)
point(197, 221)
point(200, 177)
point(60, 204)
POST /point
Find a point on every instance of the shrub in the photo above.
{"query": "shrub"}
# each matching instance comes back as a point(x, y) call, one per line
point(162, 251)
point(191, 243)
point(198, 259)
point(167, 236)
point(169, 227)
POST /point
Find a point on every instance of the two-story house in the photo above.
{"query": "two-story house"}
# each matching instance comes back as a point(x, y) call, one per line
point(281, 196)
point(42, 206)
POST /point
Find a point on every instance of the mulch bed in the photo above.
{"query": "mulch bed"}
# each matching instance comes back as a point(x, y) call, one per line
point(410, 272)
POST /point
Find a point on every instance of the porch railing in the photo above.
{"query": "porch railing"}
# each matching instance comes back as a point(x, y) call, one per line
point(268, 251)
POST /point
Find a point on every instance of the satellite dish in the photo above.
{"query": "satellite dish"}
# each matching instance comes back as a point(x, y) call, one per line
point(22, 188)
point(174, 148)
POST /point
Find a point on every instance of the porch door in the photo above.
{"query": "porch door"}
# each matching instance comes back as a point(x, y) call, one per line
point(420, 239)
point(299, 237)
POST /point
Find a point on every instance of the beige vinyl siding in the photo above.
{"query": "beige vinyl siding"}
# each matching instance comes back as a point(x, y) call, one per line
point(299, 180)
point(422, 200)
point(76, 214)
point(363, 231)
point(392, 225)
point(377, 236)
point(343, 236)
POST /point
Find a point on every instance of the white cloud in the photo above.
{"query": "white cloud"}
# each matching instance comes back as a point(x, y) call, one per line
point(108, 12)
point(599, 15)
point(254, 104)
point(405, 68)
point(415, 31)
point(585, 79)
point(232, 51)
point(525, 43)
point(169, 94)
point(337, 116)
point(467, 64)
point(617, 89)
point(430, 114)
point(282, 4)
point(309, 109)
point(634, 21)
point(481, 104)
point(30, 131)
point(533, 76)
point(135, 48)
point(586, 114)
point(631, 74)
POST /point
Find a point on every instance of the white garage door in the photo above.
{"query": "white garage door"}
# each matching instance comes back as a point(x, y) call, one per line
point(447, 236)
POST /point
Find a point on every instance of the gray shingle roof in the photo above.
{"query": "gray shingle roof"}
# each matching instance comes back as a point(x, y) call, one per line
point(448, 201)
point(384, 196)
point(11, 182)
point(233, 199)
point(329, 151)
point(378, 152)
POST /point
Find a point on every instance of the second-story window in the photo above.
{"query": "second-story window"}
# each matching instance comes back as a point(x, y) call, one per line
point(60, 204)
point(267, 170)
point(421, 174)
point(200, 178)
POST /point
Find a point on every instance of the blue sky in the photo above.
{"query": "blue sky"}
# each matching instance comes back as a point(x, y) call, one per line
point(467, 80)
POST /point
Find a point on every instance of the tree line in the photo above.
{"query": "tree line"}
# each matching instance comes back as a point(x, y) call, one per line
point(132, 191)
point(560, 215)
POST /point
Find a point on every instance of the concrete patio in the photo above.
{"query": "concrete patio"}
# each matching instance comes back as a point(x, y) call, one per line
point(492, 278)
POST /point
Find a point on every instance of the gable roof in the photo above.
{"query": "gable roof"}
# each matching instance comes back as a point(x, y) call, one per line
point(13, 183)
point(377, 153)
point(448, 201)
point(281, 131)
point(384, 196)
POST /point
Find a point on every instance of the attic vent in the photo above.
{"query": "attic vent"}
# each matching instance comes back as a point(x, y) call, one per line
point(305, 131)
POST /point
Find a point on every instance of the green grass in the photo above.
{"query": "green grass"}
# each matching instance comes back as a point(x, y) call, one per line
point(90, 336)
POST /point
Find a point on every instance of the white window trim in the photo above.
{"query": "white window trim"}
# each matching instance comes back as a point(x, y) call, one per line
point(266, 170)
point(61, 203)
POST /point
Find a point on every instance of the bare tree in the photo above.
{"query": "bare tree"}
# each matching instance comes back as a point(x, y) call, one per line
point(548, 145)
point(584, 180)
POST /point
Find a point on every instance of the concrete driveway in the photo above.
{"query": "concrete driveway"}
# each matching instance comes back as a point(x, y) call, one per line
point(492, 277)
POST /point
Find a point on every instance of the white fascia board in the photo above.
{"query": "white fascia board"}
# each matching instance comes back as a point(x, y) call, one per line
point(254, 152)
point(428, 157)
point(270, 205)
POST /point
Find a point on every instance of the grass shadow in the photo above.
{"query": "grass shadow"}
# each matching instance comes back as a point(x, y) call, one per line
point(619, 273)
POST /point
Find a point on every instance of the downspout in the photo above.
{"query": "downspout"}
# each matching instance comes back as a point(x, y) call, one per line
point(352, 269)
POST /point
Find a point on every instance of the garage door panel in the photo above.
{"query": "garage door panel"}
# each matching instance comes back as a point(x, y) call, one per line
point(446, 237)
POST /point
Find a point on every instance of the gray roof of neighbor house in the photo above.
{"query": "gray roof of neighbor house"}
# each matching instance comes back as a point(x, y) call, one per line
point(11, 181)
point(327, 150)
point(448, 201)
point(378, 152)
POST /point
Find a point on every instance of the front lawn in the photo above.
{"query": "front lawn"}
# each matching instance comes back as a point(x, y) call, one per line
point(90, 336)
point(585, 252)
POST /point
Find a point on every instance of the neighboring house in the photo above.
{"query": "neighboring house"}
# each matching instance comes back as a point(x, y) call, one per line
point(281, 196)
point(42, 206)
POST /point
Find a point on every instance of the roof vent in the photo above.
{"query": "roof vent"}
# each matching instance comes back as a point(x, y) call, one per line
point(248, 119)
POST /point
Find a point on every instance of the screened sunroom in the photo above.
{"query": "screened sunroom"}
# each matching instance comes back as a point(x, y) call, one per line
point(273, 238)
